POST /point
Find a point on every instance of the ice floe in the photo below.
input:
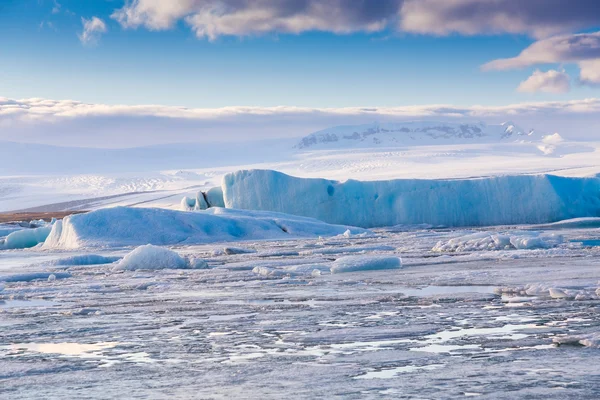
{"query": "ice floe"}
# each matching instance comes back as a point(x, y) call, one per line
point(122, 226)
point(154, 257)
point(365, 263)
point(499, 241)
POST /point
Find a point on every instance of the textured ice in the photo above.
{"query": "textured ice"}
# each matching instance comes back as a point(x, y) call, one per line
point(231, 324)
point(25, 238)
point(499, 241)
point(502, 200)
point(365, 263)
point(121, 226)
point(154, 257)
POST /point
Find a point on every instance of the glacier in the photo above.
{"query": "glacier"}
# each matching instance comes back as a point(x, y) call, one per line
point(500, 200)
point(385, 134)
point(123, 226)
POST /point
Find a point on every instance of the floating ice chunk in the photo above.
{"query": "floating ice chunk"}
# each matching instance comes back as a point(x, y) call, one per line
point(497, 241)
point(194, 204)
point(86, 259)
point(556, 293)
point(587, 340)
point(365, 263)
point(203, 200)
point(293, 270)
point(25, 238)
point(214, 197)
point(575, 223)
point(33, 276)
point(502, 200)
point(188, 204)
point(197, 263)
point(231, 251)
point(154, 257)
point(123, 226)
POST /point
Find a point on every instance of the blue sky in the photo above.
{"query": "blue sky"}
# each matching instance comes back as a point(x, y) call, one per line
point(45, 58)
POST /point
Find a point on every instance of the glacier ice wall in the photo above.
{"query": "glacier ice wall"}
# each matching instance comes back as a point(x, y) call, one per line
point(501, 200)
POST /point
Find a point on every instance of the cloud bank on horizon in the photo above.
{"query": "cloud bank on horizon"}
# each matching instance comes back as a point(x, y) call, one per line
point(72, 123)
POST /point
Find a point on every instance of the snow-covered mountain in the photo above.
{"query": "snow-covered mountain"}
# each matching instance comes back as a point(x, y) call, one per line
point(414, 133)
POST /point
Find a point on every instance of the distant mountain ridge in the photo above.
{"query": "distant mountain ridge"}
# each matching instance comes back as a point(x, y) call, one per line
point(414, 133)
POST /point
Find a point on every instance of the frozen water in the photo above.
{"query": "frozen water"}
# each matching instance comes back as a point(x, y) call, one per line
point(501, 200)
point(246, 323)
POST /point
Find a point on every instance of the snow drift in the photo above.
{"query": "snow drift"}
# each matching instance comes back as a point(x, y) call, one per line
point(122, 226)
point(502, 200)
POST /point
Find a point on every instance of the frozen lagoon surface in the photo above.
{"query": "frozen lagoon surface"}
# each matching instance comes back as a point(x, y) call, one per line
point(267, 319)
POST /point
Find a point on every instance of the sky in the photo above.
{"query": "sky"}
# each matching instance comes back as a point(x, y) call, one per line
point(236, 68)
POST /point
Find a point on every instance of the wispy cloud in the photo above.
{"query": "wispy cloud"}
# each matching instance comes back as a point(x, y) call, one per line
point(56, 8)
point(93, 28)
point(551, 81)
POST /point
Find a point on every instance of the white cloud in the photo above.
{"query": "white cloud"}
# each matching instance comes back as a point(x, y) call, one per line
point(93, 28)
point(551, 81)
point(590, 72)
point(67, 122)
point(581, 49)
point(214, 18)
point(538, 18)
